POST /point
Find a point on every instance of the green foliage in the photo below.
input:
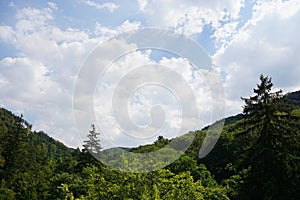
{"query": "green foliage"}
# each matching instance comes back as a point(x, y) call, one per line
point(293, 98)
point(256, 157)
point(272, 156)
point(296, 113)
point(66, 194)
point(5, 192)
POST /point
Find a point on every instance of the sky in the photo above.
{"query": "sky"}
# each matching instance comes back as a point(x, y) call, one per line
point(45, 47)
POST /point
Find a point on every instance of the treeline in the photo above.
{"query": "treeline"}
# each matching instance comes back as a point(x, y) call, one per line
point(34, 166)
point(256, 157)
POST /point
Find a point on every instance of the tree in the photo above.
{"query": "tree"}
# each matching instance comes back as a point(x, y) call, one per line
point(92, 145)
point(91, 150)
point(271, 153)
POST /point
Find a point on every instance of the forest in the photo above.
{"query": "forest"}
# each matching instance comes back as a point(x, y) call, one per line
point(256, 157)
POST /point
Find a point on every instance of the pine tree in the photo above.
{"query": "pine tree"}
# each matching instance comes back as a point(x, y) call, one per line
point(271, 154)
point(92, 145)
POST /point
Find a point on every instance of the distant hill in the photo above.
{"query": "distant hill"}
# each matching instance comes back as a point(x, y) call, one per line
point(230, 124)
point(219, 159)
point(53, 148)
point(294, 98)
point(56, 148)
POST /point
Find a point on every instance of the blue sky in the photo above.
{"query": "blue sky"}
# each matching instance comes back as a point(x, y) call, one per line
point(43, 46)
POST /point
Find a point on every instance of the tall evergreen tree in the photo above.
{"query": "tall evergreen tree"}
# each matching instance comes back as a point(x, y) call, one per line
point(93, 143)
point(271, 156)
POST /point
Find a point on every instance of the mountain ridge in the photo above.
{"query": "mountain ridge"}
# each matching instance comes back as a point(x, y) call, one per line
point(293, 98)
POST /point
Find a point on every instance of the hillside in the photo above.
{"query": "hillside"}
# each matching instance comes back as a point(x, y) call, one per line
point(294, 98)
point(35, 166)
point(53, 148)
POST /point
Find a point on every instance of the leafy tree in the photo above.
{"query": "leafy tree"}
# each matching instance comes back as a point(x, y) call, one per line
point(270, 154)
point(6, 193)
point(67, 194)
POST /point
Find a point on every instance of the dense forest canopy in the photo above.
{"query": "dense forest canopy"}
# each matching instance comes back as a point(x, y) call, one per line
point(256, 157)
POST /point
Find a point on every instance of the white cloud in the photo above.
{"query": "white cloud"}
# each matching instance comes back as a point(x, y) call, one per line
point(6, 34)
point(189, 17)
point(107, 32)
point(39, 80)
point(52, 5)
point(143, 4)
point(223, 35)
point(29, 90)
point(267, 44)
point(52, 64)
point(108, 5)
point(172, 97)
point(35, 14)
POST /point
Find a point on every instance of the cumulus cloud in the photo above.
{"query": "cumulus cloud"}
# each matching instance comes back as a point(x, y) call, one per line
point(28, 90)
point(7, 34)
point(190, 17)
point(39, 79)
point(38, 82)
point(107, 32)
point(108, 5)
point(52, 5)
point(151, 98)
point(267, 44)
